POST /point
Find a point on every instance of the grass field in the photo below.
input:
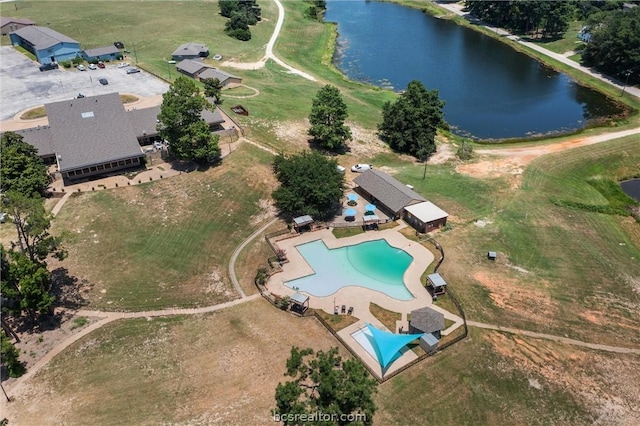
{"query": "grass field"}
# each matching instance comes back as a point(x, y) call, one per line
point(205, 369)
point(168, 242)
point(563, 270)
point(224, 367)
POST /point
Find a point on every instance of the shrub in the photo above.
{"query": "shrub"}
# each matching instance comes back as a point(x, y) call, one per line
point(465, 150)
point(77, 60)
point(66, 64)
point(283, 303)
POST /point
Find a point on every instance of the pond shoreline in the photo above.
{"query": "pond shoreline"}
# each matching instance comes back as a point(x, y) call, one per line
point(617, 121)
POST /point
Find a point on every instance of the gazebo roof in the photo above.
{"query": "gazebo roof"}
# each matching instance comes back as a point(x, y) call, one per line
point(302, 220)
point(299, 298)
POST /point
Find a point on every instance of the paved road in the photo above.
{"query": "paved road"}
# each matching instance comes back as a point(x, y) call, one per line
point(458, 10)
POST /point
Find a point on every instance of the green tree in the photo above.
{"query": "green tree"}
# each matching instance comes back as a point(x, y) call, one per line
point(615, 43)
point(25, 285)
point(227, 7)
point(328, 113)
point(409, 125)
point(212, 89)
point(238, 27)
point(21, 169)
point(326, 383)
point(32, 224)
point(10, 356)
point(309, 184)
point(182, 125)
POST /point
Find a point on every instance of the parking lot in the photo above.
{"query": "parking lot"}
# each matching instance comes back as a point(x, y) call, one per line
point(24, 86)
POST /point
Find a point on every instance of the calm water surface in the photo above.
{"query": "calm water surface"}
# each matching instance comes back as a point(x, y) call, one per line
point(491, 91)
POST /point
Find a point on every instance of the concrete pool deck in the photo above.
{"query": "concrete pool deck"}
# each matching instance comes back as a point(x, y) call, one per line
point(360, 297)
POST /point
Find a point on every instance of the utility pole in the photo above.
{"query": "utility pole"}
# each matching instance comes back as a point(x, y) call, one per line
point(626, 82)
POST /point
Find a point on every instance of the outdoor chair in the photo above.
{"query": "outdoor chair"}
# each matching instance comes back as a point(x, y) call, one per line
point(344, 309)
point(350, 310)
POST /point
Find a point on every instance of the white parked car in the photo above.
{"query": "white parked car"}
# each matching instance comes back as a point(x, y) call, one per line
point(93, 67)
point(359, 168)
point(123, 64)
point(81, 68)
point(340, 168)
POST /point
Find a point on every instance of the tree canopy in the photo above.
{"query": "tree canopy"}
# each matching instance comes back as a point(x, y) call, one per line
point(615, 43)
point(241, 14)
point(551, 18)
point(328, 113)
point(21, 169)
point(310, 183)
point(182, 125)
point(325, 383)
point(212, 89)
point(409, 125)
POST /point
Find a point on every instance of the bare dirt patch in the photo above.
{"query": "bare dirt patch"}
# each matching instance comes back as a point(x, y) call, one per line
point(593, 377)
point(512, 167)
point(443, 155)
point(509, 294)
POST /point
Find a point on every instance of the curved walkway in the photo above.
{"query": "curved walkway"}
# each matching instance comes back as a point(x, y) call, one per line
point(256, 92)
point(559, 339)
point(269, 52)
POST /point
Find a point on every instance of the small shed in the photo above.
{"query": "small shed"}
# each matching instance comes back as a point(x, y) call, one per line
point(429, 343)
point(301, 222)
point(299, 302)
point(425, 216)
point(437, 284)
point(492, 255)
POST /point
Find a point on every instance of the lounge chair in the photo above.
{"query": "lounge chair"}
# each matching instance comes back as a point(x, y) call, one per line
point(350, 310)
point(344, 309)
point(335, 310)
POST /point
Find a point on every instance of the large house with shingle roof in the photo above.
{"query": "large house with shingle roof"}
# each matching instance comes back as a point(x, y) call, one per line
point(199, 70)
point(190, 51)
point(400, 201)
point(9, 25)
point(46, 44)
point(95, 135)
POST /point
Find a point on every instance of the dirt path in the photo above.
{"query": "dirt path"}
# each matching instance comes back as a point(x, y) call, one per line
point(559, 339)
point(269, 52)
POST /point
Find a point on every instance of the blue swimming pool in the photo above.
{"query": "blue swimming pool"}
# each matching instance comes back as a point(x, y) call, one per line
point(374, 264)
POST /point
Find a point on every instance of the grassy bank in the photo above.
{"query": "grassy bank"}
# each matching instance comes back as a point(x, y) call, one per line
point(565, 267)
point(166, 243)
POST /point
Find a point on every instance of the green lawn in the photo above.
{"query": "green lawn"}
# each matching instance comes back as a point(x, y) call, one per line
point(151, 30)
point(166, 243)
point(581, 267)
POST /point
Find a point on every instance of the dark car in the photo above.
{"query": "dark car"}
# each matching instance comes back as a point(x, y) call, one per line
point(132, 70)
point(104, 81)
point(101, 64)
point(80, 96)
point(118, 44)
point(47, 67)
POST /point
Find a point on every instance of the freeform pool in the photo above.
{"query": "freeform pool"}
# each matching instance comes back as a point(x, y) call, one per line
point(373, 264)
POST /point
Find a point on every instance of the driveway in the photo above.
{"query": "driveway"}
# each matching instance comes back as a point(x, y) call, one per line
point(24, 86)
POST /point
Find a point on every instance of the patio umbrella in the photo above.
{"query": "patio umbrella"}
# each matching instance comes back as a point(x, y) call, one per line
point(369, 207)
point(352, 197)
point(349, 212)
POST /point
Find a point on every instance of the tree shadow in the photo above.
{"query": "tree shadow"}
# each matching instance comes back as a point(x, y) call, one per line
point(316, 146)
point(68, 289)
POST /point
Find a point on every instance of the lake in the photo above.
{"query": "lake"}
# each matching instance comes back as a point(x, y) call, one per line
point(631, 187)
point(491, 91)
